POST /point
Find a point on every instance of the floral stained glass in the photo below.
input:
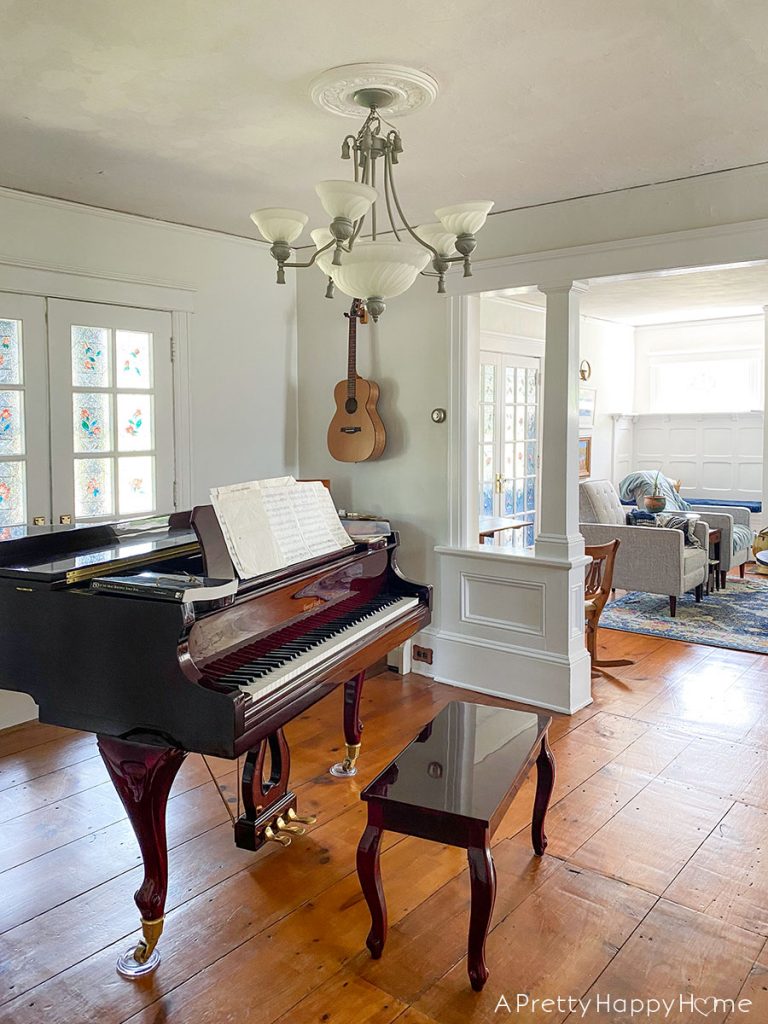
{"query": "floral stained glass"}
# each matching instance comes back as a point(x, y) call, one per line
point(90, 357)
point(11, 423)
point(136, 484)
point(91, 422)
point(134, 423)
point(93, 488)
point(12, 493)
point(10, 352)
point(133, 356)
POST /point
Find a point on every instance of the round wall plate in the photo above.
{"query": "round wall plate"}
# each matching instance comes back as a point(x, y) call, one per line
point(409, 88)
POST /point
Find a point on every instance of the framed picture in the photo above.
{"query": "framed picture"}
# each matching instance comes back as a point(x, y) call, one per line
point(585, 456)
point(587, 398)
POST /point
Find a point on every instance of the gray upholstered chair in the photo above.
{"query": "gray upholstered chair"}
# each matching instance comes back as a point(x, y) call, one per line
point(650, 559)
point(733, 521)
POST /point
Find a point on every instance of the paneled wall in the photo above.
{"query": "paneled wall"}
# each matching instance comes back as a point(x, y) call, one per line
point(717, 455)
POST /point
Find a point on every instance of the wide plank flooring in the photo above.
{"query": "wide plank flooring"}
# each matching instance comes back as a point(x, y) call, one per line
point(655, 882)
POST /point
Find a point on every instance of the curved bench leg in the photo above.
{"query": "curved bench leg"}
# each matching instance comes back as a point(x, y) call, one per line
point(482, 877)
point(369, 873)
point(545, 783)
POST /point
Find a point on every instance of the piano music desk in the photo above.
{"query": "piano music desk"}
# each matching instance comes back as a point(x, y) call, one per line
point(453, 784)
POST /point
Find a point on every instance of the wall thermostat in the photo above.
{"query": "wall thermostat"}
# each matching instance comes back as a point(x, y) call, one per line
point(438, 415)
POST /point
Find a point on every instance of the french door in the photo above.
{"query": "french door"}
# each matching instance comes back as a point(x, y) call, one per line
point(86, 414)
point(509, 440)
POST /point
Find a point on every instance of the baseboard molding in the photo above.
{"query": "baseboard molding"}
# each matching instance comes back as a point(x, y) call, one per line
point(543, 679)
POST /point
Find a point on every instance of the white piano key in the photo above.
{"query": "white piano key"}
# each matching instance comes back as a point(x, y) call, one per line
point(305, 662)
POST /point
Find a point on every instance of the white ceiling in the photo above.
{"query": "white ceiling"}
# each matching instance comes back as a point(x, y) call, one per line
point(199, 113)
point(706, 293)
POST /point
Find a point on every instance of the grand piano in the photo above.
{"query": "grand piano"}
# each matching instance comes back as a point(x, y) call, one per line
point(156, 680)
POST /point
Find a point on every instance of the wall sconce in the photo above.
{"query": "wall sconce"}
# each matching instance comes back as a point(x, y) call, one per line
point(585, 370)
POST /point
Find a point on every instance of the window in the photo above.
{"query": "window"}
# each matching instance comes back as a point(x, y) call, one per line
point(508, 428)
point(706, 382)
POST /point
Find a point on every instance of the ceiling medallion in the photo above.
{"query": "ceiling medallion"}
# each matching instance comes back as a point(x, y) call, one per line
point(409, 89)
point(365, 267)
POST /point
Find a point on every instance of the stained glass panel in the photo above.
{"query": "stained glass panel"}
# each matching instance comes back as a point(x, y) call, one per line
point(530, 493)
point(488, 462)
point(509, 387)
point(134, 423)
point(91, 422)
point(12, 493)
point(136, 484)
point(530, 385)
point(519, 422)
point(11, 422)
point(530, 458)
point(488, 423)
point(488, 383)
point(509, 423)
point(10, 352)
point(520, 390)
point(133, 356)
point(530, 421)
point(90, 357)
point(93, 488)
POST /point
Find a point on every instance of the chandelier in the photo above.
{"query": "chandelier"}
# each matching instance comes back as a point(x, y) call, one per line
point(351, 251)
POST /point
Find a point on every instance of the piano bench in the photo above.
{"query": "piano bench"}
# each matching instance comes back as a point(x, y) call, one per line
point(453, 784)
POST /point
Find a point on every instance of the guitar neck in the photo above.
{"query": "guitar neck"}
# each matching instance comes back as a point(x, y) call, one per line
point(352, 353)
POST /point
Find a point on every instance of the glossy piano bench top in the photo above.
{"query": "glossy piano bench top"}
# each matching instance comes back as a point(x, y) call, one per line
point(467, 763)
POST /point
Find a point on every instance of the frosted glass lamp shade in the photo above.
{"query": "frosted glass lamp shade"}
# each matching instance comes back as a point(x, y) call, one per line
point(440, 239)
point(321, 237)
point(350, 200)
point(279, 225)
point(464, 218)
point(381, 269)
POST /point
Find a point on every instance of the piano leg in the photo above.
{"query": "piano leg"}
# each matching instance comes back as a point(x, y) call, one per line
point(353, 728)
point(269, 806)
point(143, 775)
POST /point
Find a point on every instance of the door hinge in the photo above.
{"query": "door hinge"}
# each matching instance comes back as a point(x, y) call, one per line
point(175, 494)
point(173, 350)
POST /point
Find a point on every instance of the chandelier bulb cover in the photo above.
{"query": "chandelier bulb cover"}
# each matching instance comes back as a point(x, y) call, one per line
point(349, 250)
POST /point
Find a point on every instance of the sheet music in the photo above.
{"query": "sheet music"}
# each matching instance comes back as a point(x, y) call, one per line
point(270, 524)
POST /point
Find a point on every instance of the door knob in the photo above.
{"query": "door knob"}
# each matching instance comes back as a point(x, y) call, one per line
point(66, 519)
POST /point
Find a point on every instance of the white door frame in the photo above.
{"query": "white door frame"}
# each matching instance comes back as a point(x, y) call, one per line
point(55, 282)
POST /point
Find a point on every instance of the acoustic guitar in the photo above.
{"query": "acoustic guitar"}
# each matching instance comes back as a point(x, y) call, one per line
point(356, 433)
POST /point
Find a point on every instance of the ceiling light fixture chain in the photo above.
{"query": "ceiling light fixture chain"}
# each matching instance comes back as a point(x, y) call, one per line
point(372, 267)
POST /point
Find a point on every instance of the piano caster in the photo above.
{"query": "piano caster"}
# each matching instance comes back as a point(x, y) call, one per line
point(144, 958)
point(346, 769)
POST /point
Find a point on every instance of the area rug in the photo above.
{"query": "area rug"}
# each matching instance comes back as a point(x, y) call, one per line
point(736, 618)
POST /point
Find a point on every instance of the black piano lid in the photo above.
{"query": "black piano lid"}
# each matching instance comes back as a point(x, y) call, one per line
point(63, 555)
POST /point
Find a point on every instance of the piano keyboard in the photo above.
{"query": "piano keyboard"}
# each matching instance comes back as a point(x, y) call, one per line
point(271, 671)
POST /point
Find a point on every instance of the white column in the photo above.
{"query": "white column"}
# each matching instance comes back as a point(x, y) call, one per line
point(764, 516)
point(559, 535)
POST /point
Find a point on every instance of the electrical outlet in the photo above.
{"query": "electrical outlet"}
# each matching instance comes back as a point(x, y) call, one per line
point(422, 654)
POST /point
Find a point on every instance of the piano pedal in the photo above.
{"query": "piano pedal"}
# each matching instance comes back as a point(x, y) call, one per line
point(346, 769)
point(293, 829)
point(302, 819)
point(276, 837)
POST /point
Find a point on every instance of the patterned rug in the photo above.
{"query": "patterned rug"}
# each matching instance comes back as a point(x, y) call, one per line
point(736, 617)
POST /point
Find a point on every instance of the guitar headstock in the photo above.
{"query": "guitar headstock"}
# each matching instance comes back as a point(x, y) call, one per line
point(357, 311)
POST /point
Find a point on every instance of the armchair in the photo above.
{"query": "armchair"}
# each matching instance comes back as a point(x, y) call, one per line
point(650, 559)
point(733, 521)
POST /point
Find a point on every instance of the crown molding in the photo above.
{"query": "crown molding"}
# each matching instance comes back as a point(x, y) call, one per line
point(105, 213)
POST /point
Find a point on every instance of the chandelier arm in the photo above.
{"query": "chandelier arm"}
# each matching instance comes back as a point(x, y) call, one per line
point(309, 263)
point(406, 225)
point(356, 232)
point(388, 199)
point(373, 204)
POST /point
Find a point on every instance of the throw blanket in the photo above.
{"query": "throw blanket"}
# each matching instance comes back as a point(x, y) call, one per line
point(670, 521)
point(637, 485)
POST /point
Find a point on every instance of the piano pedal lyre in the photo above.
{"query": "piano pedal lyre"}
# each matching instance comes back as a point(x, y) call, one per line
point(276, 837)
point(302, 819)
point(290, 828)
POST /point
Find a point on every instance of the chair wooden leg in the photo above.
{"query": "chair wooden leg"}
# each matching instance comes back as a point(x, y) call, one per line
point(672, 606)
point(699, 592)
point(742, 569)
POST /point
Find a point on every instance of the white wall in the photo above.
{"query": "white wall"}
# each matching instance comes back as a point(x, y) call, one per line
point(243, 331)
point(243, 345)
point(609, 348)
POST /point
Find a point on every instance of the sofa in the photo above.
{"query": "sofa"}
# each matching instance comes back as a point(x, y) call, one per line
point(650, 558)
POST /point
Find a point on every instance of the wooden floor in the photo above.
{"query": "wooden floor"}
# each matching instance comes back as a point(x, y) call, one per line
point(655, 881)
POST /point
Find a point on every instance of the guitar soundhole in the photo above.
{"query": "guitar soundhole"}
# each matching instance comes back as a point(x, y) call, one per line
point(350, 405)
